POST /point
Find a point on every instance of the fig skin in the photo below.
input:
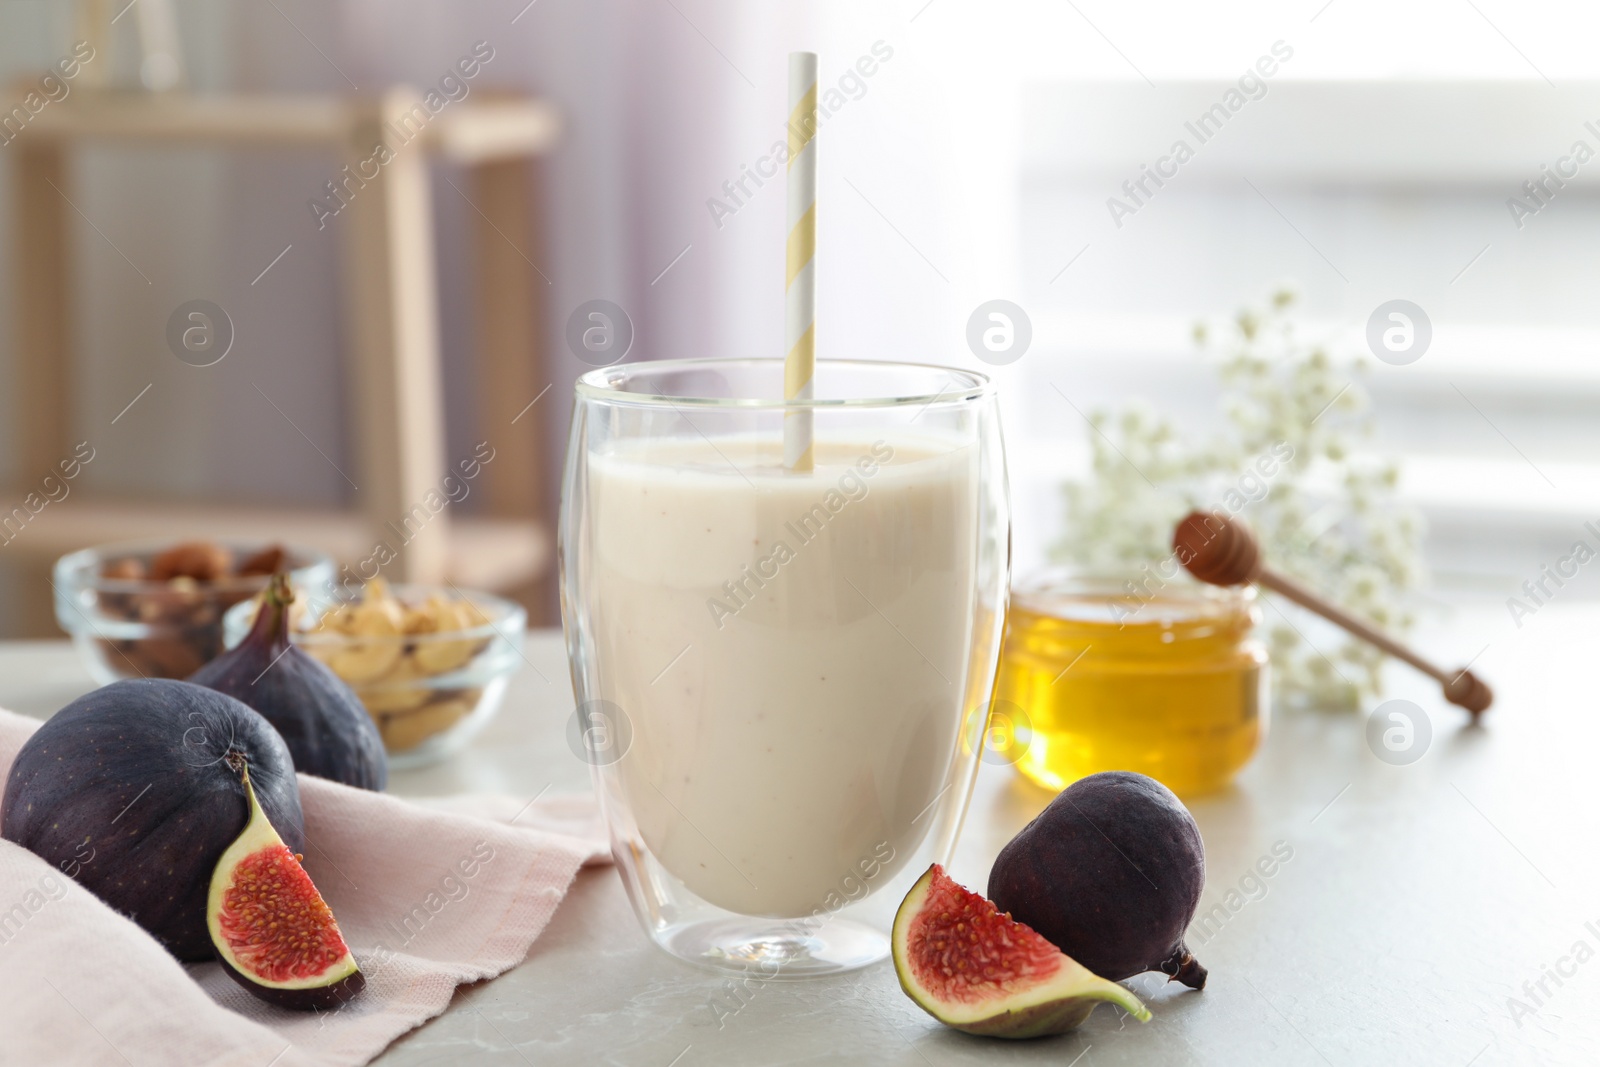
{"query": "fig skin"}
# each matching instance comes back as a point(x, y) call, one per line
point(1110, 873)
point(129, 791)
point(324, 723)
point(314, 998)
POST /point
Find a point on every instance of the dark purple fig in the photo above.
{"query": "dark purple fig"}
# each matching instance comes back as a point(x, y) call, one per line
point(1111, 874)
point(328, 731)
point(131, 790)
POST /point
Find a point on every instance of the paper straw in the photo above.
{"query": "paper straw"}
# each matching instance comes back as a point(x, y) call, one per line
point(800, 309)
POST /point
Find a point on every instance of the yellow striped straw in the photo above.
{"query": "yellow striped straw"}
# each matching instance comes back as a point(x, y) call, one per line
point(800, 306)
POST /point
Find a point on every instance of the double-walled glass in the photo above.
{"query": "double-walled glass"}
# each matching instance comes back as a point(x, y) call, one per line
point(782, 678)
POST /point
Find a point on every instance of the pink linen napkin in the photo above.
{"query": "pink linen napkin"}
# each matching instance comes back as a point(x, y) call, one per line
point(428, 899)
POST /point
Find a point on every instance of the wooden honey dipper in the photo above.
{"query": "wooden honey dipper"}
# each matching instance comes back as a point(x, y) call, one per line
point(1219, 550)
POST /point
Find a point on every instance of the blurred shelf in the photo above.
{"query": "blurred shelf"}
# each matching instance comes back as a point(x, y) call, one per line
point(472, 131)
point(496, 554)
point(385, 142)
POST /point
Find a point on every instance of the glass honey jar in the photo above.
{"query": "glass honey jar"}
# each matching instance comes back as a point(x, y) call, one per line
point(1104, 673)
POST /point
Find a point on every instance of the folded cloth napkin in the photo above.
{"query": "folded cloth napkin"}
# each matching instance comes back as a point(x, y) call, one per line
point(428, 899)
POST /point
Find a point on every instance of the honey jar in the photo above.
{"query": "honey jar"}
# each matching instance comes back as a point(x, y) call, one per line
point(1104, 673)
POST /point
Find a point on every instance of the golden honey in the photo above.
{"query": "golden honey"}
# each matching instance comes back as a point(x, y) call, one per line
point(1099, 675)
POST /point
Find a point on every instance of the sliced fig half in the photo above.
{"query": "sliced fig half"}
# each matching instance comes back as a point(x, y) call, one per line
point(976, 970)
point(272, 930)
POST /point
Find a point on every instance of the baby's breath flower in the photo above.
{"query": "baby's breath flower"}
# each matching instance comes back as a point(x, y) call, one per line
point(1329, 517)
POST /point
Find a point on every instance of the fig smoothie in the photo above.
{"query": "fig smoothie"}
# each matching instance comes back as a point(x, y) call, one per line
point(790, 651)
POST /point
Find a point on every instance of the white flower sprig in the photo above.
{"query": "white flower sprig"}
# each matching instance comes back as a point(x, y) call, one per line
point(1330, 517)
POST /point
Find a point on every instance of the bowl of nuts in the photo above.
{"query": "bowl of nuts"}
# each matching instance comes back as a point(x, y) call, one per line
point(154, 609)
point(429, 663)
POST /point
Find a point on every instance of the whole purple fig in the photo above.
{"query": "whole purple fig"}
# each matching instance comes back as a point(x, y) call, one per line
point(328, 731)
point(133, 790)
point(1111, 873)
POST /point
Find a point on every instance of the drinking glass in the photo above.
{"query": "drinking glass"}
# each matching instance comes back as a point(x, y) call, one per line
point(783, 678)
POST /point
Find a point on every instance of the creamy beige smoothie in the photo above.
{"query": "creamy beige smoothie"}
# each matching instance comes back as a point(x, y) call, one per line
point(790, 650)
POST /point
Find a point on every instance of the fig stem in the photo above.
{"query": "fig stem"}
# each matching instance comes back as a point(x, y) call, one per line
point(279, 592)
point(272, 621)
point(1188, 970)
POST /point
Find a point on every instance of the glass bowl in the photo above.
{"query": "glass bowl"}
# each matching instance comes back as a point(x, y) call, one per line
point(430, 693)
point(132, 627)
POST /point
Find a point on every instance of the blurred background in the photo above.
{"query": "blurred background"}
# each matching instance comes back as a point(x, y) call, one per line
point(382, 330)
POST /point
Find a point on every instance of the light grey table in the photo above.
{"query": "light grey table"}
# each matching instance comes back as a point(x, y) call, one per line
point(1418, 899)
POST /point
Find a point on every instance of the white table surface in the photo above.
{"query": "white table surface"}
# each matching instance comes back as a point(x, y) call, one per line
point(1418, 900)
